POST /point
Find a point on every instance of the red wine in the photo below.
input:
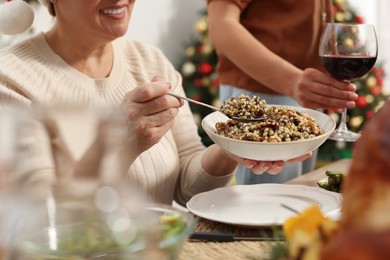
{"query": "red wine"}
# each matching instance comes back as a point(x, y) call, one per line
point(348, 67)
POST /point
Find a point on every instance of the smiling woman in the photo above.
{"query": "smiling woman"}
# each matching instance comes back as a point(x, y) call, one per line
point(83, 60)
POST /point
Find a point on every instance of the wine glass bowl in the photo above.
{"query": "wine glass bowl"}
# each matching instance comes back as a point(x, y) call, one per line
point(348, 52)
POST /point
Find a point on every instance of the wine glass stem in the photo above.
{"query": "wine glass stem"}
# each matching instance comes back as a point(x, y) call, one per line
point(343, 122)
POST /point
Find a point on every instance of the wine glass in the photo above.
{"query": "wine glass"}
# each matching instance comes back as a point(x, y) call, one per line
point(348, 52)
point(92, 210)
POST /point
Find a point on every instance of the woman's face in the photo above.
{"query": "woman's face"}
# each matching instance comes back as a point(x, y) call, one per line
point(107, 19)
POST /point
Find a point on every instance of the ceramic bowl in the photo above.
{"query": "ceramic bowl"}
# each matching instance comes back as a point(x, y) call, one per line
point(267, 151)
point(93, 238)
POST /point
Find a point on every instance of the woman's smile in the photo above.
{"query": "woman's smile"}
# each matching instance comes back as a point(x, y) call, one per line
point(118, 12)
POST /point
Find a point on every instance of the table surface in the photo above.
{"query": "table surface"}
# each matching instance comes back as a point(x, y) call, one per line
point(246, 249)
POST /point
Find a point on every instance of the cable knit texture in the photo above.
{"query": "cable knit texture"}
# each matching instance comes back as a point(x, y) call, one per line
point(31, 74)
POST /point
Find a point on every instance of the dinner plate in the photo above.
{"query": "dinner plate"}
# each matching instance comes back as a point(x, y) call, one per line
point(260, 204)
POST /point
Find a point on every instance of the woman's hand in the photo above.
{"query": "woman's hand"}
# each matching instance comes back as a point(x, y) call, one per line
point(215, 154)
point(272, 167)
point(315, 89)
point(150, 114)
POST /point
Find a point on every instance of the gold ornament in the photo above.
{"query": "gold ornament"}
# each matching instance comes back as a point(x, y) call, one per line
point(207, 48)
point(356, 121)
point(371, 81)
point(190, 51)
point(201, 25)
point(348, 42)
point(369, 98)
point(339, 17)
point(205, 82)
point(339, 2)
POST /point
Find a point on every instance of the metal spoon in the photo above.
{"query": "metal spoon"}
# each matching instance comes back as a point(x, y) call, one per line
point(240, 119)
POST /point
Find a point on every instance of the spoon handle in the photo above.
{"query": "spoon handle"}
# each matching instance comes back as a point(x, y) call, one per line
point(245, 120)
point(194, 101)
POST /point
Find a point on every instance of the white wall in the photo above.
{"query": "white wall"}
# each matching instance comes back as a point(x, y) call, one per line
point(168, 24)
point(376, 12)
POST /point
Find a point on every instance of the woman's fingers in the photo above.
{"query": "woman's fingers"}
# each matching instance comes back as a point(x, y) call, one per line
point(272, 167)
point(301, 158)
point(150, 112)
point(319, 90)
point(154, 89)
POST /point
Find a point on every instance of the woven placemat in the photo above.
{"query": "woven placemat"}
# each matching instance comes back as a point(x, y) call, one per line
point(228, 250)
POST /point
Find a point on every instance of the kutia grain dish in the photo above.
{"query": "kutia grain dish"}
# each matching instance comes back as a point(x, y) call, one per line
point(282, 124)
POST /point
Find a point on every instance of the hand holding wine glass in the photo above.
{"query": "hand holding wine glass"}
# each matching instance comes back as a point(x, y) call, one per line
point(348, 52)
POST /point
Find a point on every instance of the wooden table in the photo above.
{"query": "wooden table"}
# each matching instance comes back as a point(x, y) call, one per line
point(246, 249)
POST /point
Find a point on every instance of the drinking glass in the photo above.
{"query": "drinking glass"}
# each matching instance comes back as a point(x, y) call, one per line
point(348, 52)
point(91, 209)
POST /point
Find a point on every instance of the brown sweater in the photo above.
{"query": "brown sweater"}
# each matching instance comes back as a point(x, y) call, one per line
point(289, 28)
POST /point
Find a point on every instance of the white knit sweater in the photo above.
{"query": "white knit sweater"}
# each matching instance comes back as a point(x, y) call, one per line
point(32, 74)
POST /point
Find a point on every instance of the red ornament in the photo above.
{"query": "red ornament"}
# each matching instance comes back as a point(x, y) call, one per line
point(361, 102)
point(198, 83)
point(379, 82)
point(215, 83)
point(199, 48)
point(205, 68)
point(378, 72)
point(359, 19)
point(375, 91)
point(369, 114)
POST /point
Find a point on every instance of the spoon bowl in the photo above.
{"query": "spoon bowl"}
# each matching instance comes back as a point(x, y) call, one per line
point(240, 119)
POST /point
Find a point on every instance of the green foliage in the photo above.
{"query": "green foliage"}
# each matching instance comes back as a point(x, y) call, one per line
point(279, 251)
point(370, 90)
point(200, 81)
point(199, 74)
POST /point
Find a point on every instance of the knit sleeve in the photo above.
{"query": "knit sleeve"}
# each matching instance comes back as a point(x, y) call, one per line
point(8, 95)
point(193, 178)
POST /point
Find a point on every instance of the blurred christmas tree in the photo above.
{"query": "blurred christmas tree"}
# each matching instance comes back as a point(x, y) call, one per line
point(371, 94)
point(199, 74)
point(201, 82)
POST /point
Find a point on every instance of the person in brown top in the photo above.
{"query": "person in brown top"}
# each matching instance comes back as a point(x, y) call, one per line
point(270, 49)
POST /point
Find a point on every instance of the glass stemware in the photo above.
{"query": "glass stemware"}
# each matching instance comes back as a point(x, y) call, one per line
point(92, 211)
point(348, 52)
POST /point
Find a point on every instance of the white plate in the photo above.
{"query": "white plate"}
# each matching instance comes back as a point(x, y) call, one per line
point(259, 204)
